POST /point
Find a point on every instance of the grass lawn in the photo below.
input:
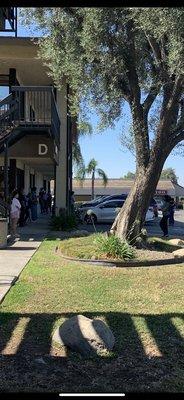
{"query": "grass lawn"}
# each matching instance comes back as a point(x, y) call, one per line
point(142, 306)
point(85, 247)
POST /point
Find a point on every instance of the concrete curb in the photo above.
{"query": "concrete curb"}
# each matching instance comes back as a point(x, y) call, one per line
point(125, 264)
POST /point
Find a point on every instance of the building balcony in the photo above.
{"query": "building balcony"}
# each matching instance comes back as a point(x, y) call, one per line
point(29, 110)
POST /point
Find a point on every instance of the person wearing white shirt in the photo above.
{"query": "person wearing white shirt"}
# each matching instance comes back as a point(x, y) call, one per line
point(14, 213)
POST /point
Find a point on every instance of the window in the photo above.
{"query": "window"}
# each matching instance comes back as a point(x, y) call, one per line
point(114, 204)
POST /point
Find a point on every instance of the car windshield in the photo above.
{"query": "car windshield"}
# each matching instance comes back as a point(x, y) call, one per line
point(112, 203)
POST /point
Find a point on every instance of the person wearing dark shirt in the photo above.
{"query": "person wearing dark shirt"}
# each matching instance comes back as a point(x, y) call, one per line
point(22, 199)
point(172, 209)
point(166, 213)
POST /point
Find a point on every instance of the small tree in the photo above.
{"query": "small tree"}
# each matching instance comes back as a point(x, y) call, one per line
point(129, 175)
point(81, 129)
point(92, 169)
point(169, 173)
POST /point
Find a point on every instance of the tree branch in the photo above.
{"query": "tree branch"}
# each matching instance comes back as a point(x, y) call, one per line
point(155, 49)
point(159, 53)
point(71, 11)
point(125, 90)
point(169, 110)
point(180, 124)
point(140, 125)
point(154, 90)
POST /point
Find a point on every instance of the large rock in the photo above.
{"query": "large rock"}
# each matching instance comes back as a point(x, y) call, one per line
point(178, 253)
point(84, 335)
point(176, 242)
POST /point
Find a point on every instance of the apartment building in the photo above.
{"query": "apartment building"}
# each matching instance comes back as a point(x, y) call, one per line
point(35, 126)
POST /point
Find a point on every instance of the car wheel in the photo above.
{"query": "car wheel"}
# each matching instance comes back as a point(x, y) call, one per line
point(88, 219)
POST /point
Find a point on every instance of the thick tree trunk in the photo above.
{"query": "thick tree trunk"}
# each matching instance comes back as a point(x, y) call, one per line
point(130, 220)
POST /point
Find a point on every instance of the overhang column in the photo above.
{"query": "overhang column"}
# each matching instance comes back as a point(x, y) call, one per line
point(61, 184)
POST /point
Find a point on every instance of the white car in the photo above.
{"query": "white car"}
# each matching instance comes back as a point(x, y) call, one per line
point(107, 211)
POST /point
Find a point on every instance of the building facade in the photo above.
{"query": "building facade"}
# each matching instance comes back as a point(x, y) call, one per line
point(35, 126)
point(119, 186)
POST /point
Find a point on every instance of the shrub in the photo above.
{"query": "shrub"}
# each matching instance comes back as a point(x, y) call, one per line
point(63, 222)
point(112, 246)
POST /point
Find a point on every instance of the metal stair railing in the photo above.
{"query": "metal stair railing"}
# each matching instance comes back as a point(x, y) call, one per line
point(8, 109)
point(29, 107)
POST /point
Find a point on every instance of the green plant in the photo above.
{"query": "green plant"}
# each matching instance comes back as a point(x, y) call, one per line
point(112, 246)
point(63, 222)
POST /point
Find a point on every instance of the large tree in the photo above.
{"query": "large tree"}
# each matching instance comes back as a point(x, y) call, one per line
point(110, 56)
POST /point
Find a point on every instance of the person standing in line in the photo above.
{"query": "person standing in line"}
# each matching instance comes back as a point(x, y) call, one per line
point(34, 203)
point(28, 208)
point(166, 213)
point(22, 200)
point(41, 201)
point(49, 200)
point(45, 200)
point(72, 201)
point(14, 213)
point(172, 210)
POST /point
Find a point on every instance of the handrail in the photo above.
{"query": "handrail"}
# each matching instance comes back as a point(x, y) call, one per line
point(6, 100)
point(32, 88)
point(8, 109)
point(31, 107)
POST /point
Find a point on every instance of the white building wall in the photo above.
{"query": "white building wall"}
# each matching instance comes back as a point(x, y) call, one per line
point(38, 180)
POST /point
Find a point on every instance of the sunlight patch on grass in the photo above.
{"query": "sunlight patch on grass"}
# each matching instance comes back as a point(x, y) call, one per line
point(147, 340)
point(16, 337)
point(179, 325)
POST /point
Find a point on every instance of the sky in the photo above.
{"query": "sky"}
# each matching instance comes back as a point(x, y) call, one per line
point(106, 147)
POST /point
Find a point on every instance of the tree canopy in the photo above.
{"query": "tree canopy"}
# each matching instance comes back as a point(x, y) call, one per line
point(168, 173)
point(93, 49)
point(129, 175)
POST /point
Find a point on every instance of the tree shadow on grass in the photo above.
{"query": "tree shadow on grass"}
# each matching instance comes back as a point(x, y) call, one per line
point(134, 364)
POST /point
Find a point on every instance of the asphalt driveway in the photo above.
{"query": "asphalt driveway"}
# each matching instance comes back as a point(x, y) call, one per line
point(152, 227)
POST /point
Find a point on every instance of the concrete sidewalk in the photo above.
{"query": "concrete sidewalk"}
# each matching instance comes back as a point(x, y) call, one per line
point(15, 257)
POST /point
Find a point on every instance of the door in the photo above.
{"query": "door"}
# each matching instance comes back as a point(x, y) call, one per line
point(20, 179)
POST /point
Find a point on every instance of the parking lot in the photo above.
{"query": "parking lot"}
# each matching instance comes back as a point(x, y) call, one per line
point(153, 227)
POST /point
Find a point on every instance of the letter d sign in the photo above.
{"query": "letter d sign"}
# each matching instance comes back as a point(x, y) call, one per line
point(42, 149)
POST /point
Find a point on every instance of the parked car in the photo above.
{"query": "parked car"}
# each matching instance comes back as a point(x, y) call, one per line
point(101, 199)
point(122, 196)
point(107, 211)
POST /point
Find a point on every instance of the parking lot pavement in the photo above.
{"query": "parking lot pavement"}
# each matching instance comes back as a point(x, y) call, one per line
point(152, 227)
